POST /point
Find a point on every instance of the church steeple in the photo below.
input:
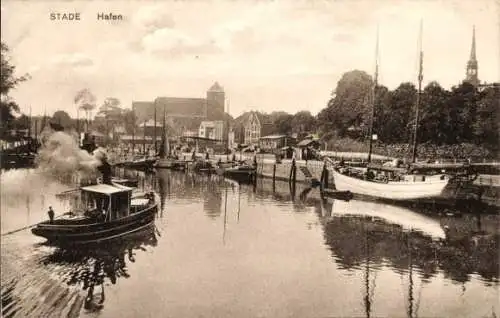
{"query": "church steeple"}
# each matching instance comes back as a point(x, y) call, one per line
point(471, 75)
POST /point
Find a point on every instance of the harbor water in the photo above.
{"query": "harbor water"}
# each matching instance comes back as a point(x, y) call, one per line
point(223, 249)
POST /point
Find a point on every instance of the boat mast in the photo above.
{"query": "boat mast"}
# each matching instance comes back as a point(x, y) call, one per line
point(29, 125)
point(154, 133)
point(167, 142)
point(36, 132)
point(133, 138)
point(417, 105)
point(375, 83)
point(144, 137)
point(227, 125)
point(163, 137)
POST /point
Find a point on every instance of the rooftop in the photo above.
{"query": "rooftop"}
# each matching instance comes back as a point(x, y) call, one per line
point(273, 137)
point(150, 123)
point(106, 188)
point(216, 88)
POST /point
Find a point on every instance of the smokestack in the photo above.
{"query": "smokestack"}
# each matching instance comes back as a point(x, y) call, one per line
point(105, 169)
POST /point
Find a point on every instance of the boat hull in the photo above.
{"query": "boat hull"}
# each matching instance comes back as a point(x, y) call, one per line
point(170, 164)
point(79, 233)
point(241, 175)
point(399, 191)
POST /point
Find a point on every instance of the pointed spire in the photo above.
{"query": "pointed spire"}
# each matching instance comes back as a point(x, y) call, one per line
point(473, 47)
point(421, 53)
point(376, 58)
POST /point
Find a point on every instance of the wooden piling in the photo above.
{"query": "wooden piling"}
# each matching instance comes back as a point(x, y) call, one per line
point(274, 173)
point(327, 175)
point(322, 178)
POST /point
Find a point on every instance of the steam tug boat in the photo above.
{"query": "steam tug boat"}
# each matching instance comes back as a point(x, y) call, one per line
point(104, 212)
point(107, 212)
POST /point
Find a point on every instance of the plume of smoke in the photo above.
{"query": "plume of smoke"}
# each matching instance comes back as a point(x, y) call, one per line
point(17, 184)
point(60, 157)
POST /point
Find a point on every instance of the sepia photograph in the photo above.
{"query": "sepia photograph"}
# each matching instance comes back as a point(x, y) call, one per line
point(250, 158)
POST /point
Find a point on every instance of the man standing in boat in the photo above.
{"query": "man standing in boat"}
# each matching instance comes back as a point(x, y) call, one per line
point(51, 214)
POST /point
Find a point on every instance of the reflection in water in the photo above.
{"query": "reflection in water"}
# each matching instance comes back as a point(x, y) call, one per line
point(91, 267)
point(392, 242)
point(278, 248)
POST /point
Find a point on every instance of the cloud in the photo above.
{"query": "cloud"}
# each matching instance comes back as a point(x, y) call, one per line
point(73, 60)
point(174, 42)
point(153, 18)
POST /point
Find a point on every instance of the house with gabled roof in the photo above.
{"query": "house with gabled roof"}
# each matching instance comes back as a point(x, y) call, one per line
point(250, 127)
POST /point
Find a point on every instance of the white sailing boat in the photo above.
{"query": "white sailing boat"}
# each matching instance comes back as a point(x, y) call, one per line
point(391, 182)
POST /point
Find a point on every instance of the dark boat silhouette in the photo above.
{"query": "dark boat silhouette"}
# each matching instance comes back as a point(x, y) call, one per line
point(106, 211)
point(112, 213)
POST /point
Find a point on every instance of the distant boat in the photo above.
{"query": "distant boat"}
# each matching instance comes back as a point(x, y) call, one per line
point(243, 173)
point(387, 182)
point(109, 212)
point(166, 161)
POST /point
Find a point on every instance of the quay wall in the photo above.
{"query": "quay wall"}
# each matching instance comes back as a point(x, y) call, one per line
point(490, 184)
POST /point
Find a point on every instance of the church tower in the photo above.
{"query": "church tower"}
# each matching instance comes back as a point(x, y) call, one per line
point(472, 66)
point(216, 99)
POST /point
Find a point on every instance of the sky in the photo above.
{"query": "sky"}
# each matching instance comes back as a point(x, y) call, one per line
point(268, 55)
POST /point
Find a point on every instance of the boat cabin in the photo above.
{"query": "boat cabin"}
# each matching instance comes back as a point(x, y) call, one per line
point(107, 202)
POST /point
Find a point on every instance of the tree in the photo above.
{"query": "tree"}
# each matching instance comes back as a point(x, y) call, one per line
point(21, 122)
point(111, 108)
point(62, 118)
point(303, 122)
point(85, 100)
point(350, 107)
point(381, 112)
point(399, 114)
point(462, 112)
point(283, 124)
point(486, 124)
point(433, 124)
point(9, 81)
point(130, 121)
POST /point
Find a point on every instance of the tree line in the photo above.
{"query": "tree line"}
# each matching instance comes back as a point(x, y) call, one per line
point(463, 114)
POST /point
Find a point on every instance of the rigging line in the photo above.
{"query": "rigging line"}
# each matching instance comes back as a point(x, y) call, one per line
point(374, 87)
point(417, 104)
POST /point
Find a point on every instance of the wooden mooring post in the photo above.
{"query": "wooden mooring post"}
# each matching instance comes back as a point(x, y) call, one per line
point(274, 173)
point(293, 173)
point(326, 177)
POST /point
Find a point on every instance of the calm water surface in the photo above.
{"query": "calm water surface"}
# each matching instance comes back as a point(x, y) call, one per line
point(220, 249)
